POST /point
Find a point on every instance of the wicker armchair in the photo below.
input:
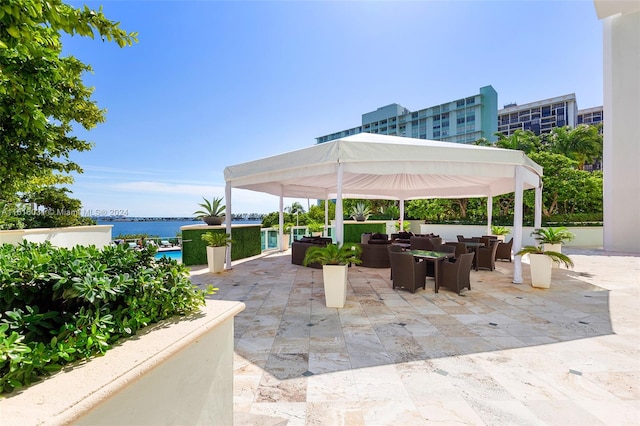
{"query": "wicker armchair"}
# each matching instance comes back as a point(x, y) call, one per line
point(504, 250)
point(407, 273)
point(487, 256)
point(455, 275)
point(460, 248)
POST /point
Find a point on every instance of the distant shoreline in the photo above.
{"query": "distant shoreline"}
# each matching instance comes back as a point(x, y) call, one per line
point(169, 219)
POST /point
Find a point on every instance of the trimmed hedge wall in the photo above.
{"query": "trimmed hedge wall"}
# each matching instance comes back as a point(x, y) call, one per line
point(246, 243)
point(353, 231)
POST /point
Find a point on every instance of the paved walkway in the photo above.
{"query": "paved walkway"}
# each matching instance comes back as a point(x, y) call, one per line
point(500, 354)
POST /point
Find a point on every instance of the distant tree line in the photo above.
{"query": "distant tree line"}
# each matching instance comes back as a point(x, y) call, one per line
point(571, 193)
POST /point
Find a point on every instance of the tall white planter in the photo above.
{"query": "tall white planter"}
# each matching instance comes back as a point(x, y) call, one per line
point(216, 258)
point(285, 241)
point(553, 247)
point(335, 285)
point(540, 266)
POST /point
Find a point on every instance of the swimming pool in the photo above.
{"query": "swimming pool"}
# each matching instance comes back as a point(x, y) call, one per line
point(171, 254)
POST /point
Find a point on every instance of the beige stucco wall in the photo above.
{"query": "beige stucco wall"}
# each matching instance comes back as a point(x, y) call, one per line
point(179, 372)
point(97, 235)
point(585, 236)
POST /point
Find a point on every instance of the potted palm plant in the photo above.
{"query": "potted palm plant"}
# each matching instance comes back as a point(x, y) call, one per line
point(552, 239)
point(541, 263)
point(335, 261)
point(217, 244)
point(286, 234)
point(212, 211)
point(360, 212)
point(315, 228)
point(500, 232)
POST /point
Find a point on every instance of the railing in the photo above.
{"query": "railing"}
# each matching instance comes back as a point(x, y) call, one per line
point(269, 237)
point(160, 242)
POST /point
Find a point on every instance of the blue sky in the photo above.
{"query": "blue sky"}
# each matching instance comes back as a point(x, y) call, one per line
point(212, 84)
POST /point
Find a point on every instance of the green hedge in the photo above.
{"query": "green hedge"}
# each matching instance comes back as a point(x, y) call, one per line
point(246, 243)
point(353, 231)
point(59, 305)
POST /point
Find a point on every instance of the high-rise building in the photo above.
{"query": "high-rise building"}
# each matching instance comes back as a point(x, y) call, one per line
point(592, 116)
point(540, 116)
point(463, 120)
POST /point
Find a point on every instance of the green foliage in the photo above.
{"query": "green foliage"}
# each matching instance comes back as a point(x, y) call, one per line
point(360, 212)
point(213, 208)
point(499, 230)
point(53, 209)
point(316, 212)
point(59, 305)
point(353, 231)
point(333, 255)
point(42, 94)
point(216, 239)
point(555, 256)
point(560, 235)
point(315, 226)
point(390, 212)
point(246, 243)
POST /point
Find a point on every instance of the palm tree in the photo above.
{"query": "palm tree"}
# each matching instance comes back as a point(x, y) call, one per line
point(523, 140)
point(583, 143)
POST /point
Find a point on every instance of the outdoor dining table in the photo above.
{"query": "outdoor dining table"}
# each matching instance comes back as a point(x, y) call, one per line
point(475, 245)
point(433, 256)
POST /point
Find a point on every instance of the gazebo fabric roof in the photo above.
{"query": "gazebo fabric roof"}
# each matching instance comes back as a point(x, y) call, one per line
point(386, 167)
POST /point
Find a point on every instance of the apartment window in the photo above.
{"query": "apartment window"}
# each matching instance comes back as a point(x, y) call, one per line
point(460, 120)
point(546, 111)
point(471, 101)
point(414, 115)
point(460, 103)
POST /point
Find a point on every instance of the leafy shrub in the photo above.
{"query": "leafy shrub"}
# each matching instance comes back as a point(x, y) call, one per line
point(59, 305)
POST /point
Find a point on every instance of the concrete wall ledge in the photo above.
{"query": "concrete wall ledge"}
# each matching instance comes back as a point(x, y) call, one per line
point(178, 371)
point(98, 235)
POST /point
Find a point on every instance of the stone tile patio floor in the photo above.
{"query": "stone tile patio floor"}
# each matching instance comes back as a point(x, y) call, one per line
point(500, 354)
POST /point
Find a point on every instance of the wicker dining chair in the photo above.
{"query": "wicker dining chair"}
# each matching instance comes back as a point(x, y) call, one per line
point(456, 275)
point(487, 256)
point(407, 273)
point(504, 250)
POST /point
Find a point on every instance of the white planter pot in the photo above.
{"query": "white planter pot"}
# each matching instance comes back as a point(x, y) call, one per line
point(335, 285)
point(553, 247)
point(285, 241)
point(501, 237)
point(215, 259)
point(540, 266)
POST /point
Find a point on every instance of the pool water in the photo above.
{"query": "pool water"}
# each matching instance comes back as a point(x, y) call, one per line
point(173, 254)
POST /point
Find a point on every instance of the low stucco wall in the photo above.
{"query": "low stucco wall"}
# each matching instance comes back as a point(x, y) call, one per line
point(97, 235)
point(586, 236)
point(178, 372)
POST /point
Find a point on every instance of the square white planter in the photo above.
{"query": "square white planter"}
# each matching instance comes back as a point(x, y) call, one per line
point(215, 259)
point(540, 266)
point(553, 247)
point(335, 285)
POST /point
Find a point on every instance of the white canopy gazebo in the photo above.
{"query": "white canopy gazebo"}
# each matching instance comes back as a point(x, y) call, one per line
point(372, 166)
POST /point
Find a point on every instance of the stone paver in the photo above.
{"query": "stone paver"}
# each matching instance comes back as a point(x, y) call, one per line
point(501, 353)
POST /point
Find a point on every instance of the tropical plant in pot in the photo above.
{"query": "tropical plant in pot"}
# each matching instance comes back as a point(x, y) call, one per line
point(552, 239)
point(500, 231)
point(360, 212)
point(212, 211)
point(541, 264)
point(286, 232)
point(335, 262)
point(315, 228)
point(217, 243)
